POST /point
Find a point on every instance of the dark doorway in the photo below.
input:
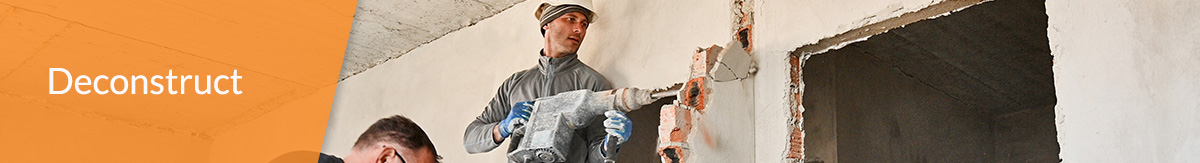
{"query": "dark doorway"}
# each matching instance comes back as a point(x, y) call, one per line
point(973, 86)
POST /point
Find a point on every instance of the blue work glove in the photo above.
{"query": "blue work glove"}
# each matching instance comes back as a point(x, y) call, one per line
point(517, 116)
point(617, 126)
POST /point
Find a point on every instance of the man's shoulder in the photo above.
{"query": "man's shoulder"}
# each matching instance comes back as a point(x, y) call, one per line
point(585, 73)
point(516, 79)
point(529, 72)
point(588, 71)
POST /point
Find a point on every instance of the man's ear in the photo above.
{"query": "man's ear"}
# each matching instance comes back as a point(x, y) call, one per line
point(386, 154)
point(544, 28)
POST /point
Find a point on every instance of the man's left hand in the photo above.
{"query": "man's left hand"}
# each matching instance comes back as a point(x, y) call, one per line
point(617, 126)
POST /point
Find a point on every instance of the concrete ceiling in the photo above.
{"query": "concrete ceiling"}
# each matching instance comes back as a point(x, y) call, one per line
point(387, 29)
point(993, 56)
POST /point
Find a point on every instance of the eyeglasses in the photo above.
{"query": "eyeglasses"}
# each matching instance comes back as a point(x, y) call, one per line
point(397, 152)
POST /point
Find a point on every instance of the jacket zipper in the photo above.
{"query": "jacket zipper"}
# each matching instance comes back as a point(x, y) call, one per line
point(549, 78)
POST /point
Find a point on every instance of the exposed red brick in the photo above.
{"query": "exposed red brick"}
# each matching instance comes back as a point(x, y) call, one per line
point(745, 35)
point(694, 94)
point(675, 123)
point(743, 11)
point(796, 142)
point(672, 154)
point(703, 60)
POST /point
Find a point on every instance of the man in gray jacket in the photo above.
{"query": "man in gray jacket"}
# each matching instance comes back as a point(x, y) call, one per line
point(564, 24)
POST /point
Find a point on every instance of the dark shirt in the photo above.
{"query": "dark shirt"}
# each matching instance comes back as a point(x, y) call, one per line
point(326, 158)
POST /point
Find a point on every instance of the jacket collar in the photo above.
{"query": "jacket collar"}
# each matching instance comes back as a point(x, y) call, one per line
point(546, 63)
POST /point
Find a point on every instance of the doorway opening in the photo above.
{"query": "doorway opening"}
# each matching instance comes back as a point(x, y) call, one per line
point(973, 86)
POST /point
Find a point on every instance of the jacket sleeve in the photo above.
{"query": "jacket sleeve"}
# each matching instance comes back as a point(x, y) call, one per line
point(478, 136)
point(595, 131)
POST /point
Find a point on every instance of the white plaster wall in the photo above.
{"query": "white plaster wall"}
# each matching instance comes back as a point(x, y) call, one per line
point(1127, 77)
point(784, 25)
point(443, 85)
point(780, 27)
point(725, 130)
point(650, 43)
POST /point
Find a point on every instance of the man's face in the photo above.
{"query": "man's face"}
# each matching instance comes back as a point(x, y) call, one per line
point(564, 34)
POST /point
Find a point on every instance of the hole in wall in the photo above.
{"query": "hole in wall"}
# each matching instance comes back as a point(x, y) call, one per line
point(744, 36)
point(643, 144)
point(973, 86)
point(671, 154)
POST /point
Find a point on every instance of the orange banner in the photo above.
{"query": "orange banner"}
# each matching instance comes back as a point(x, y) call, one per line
point(286, 54)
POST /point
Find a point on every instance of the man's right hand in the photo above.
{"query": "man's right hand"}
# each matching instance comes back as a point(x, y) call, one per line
point(516, 117)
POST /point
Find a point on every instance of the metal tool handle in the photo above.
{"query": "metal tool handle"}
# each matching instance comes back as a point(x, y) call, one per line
point(612, 145)
point(518, 129)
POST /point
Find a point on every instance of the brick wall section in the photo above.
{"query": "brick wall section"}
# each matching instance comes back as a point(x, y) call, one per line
point(795, 149)
point(675, 121)
point(674, 126)
point(743, 14)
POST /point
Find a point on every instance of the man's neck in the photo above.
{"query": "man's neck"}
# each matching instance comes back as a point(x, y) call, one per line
point(560, 55)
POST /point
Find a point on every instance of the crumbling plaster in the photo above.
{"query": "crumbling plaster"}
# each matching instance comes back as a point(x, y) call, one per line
point(1127, 79)
point(712, 120)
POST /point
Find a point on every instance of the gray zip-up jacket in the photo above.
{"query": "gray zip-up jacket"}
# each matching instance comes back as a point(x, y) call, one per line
point(551, 76)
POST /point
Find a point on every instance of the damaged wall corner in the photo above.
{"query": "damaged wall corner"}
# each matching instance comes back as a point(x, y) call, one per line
point(732, 65)
point(696, 127)
point(862, 33)
point(795, 147)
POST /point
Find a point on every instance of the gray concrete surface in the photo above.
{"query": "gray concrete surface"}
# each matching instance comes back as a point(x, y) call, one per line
point(387, 29)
